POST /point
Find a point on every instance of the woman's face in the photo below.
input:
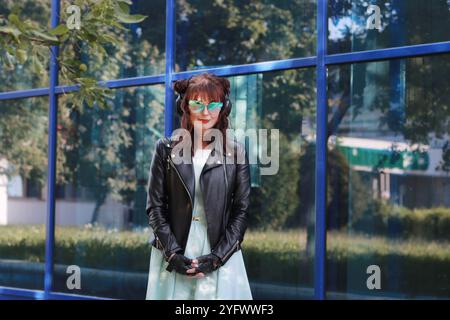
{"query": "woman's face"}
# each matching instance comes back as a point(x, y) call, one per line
point(203, 118)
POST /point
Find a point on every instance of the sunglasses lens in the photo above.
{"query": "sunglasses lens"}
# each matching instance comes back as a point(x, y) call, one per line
point(196, 106)
point(215, 106)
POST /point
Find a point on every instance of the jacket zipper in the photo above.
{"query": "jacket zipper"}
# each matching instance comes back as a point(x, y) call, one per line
point(162, 247)
point(185, 187)
point(169, 160)
point(231, 250)
point(179, 176)
point(226, 192)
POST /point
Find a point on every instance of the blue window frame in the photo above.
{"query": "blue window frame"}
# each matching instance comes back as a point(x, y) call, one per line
point(321, 61)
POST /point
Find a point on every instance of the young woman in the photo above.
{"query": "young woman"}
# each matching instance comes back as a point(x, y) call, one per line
point(198, 210)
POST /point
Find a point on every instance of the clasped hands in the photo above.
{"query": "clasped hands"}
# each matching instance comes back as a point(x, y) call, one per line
point(194, 268)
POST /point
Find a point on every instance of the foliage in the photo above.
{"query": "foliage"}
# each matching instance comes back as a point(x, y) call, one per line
point(272, 256)
point(399, 222)
point(23, 125)
point(24, 39)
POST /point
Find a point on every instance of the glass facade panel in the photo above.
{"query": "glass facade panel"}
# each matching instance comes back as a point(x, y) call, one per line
point(353, 26)
point(221, 33)
point(100, 209)
point(388, 164)
point(141, 49)
point(278, 248)
point(23, 197)
point(33, 73)
point(389, 181)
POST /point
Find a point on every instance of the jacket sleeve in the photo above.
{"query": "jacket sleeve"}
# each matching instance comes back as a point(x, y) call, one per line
point(231, 240)
point(157, 205)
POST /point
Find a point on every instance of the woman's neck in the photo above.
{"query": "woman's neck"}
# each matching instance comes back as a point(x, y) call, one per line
point(201, 144)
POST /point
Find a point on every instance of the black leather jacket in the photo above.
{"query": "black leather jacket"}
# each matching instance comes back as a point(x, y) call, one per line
point(170, 199)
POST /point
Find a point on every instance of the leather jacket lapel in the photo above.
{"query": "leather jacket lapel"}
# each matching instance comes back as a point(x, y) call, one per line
point(214, 160)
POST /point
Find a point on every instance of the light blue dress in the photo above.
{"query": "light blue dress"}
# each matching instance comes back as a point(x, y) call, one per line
point(229, 282)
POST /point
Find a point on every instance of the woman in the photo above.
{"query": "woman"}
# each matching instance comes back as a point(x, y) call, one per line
point(198, 210)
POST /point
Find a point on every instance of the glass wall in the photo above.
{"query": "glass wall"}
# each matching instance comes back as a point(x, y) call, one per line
point(139, 50)
point(100, 226)
point(221, 33)
point(278, 247)
point(387, 144)
point(358, 25)
point(389, 178)
point(23, 197)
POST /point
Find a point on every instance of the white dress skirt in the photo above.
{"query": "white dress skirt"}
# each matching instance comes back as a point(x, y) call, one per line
point(229, 282)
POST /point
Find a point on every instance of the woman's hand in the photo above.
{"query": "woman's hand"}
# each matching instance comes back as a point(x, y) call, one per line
point(193, 273)
point(185, 266)
point(206, 263)
point(180, 263)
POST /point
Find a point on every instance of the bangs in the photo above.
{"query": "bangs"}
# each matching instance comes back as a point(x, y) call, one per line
point(205, 91)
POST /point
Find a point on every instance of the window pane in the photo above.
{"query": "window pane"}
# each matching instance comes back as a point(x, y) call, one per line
point(141, 49)
point(278, 247)
point(33, 73)
point(389, 182)
point(400, 23)
point(219, 33)
point(23, 204)
point(100, 210)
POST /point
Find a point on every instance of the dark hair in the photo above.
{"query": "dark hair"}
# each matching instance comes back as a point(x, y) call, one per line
point(201, 85)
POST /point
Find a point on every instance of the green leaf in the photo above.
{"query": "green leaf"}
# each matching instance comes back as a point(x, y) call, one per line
point(123, 8)
point(122, 13)
point(37, 66)
point(135, 18)
point(11, 31)
point(59, 30)
point(21, 56)
point(118, 25)
point(89, 36)
point(106, 38)
point(14, 19)
point(129, 2)
point(89, 101)
point(45, 36)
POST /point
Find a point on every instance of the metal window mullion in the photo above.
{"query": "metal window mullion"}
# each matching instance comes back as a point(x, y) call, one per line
point(321, 154)
point(51, 175)
point(409, 51)
point(170, 52)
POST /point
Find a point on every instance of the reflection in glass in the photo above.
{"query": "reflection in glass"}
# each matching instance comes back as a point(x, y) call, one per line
point(23, 204)
point(279, 243)
point(352, 25)
point(140, 52)
point(100, 212)
point(389, 178)
point(101, 219)
point(212, 33)
point(33, 73)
